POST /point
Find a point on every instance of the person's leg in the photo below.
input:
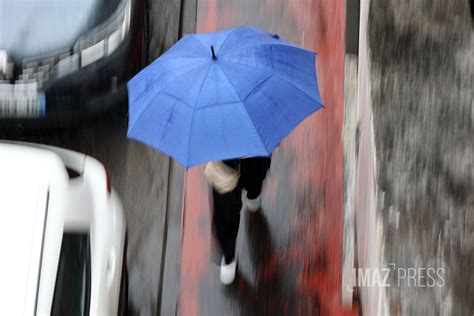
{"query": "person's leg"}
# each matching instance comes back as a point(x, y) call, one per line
point(226, 220)
point(254, 171)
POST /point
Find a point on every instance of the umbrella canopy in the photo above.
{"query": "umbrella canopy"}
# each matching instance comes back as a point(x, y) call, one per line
point(229, 94)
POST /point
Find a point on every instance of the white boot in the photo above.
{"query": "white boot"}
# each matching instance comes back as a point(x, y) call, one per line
point(253, 205)
point(228, 271)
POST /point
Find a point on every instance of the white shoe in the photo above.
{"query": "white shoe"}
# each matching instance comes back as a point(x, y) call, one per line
point(228, 271)
point(253, 205)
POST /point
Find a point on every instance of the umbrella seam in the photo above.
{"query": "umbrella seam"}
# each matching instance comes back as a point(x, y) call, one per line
point(297, 121)
point(157, 79)
point(220, 113)
point(160, 77)
point(276, 105)
point(178, 98)
point(157, 95)
point(283, 43)
point(315, 76)
point(194, 36)
point(304, 92)
point(247, 38)
point(168, 121)
point(244, 64)
point(271, 61)
point(192, 117)
point(257, 86)
point(217, 104)
point(222, 131)
point(184, 74)
point(228, 35)
point(132, 125)
point(279, 75)
point(261, 83)
point(245, 109)
point(283, 78)
point(144, 107)
point(250, 65)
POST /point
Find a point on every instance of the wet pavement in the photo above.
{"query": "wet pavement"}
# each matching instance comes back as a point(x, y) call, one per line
point(289, 254)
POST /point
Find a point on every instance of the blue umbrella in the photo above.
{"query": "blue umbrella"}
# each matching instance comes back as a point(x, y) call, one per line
point(229, 94)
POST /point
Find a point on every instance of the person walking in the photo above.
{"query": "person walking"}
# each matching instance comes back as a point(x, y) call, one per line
point(229, 179)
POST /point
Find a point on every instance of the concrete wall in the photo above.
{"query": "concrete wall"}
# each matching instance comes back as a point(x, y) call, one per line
point(422, 79)
point(415, 167)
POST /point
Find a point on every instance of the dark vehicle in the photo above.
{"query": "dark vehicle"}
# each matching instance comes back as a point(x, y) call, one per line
point(62, 61)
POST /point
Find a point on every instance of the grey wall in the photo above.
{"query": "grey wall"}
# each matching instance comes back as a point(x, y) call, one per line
point(421, 92)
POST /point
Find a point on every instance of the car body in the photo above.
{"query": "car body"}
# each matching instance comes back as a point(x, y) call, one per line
point(63, 61)
point(62, 233)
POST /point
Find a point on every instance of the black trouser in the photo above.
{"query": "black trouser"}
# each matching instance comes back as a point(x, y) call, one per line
point(227, 206)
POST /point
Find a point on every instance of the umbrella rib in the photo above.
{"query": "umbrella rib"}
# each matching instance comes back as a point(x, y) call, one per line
point(168, 121)
point(217, 104)
point(269, 58)
point(245, 64)
point(222, 131)
point(264, 35)
point(283, 78)
point(298, 121)
point(193, 36)
point(271, 100)
point(189, 138)
point(154, 80)
point(139, 116)
point(161, 61)
point(245, 109)
point(278, 106)
point(178, 98)
point(142, 109)
point(304, 92)
point(284, 44)
point(257, 86)
point(274, 74)
point(194, 111)
point(228, 35)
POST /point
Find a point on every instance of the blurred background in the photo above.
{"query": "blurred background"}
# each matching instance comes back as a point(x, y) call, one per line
point(407, 132)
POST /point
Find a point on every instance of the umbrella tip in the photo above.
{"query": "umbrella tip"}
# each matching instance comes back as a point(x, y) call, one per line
point(213, 53)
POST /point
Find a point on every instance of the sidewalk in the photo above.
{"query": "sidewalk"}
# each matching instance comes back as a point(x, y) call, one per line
point(289, 254)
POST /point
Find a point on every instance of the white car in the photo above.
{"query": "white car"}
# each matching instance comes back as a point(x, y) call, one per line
point(62, 234)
